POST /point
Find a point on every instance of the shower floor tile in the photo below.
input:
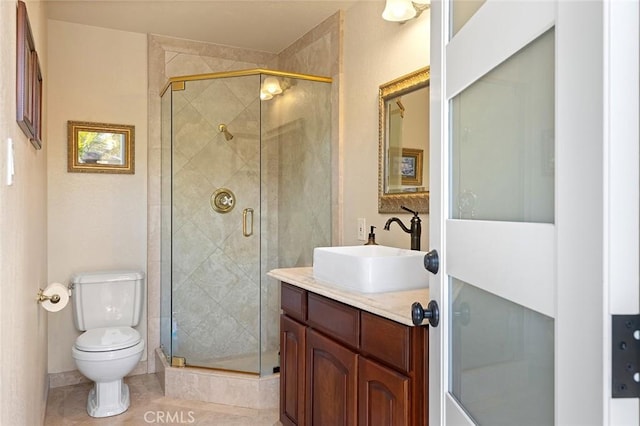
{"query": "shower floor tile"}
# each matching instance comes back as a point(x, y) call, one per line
point(67, 406)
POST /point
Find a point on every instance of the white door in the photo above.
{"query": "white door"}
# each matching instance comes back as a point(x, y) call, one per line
point(518, 185)
point(622, 205)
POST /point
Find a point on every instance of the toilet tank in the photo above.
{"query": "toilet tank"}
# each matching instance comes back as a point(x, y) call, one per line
point(107, 299)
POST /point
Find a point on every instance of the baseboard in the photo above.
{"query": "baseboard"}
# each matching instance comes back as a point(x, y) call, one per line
point(46, 400)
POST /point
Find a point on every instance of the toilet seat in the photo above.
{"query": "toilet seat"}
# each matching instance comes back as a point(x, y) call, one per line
point(107, 355)
point(107, 343)
point(105, 339)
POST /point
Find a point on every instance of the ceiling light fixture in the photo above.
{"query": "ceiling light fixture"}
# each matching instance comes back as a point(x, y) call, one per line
point(272, 85)
point(403, 10)
point(264, 95)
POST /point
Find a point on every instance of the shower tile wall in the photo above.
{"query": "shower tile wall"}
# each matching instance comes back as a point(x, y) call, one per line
point(315, 53)
point(319, 52)
point(302, 152)
point(302, 147)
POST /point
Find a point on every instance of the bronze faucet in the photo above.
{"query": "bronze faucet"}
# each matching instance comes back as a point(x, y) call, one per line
point(415, 231)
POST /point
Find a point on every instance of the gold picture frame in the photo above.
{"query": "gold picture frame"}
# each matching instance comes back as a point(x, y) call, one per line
point(411, 166)
point(100, 147)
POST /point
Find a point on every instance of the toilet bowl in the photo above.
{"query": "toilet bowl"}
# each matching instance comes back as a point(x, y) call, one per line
point(105, 355)
point(106, 306)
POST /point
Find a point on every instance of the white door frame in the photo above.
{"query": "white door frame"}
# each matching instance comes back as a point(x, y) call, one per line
point(597, 204)
point(621, 177)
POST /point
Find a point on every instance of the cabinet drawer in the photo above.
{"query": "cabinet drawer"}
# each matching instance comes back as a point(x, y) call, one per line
point(386, 340)
point(336, 319)
point(293, 301)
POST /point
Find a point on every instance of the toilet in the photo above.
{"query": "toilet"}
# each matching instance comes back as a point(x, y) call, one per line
point(106, 305)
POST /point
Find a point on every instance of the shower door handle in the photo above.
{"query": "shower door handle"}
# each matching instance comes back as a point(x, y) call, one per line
point(247, 230)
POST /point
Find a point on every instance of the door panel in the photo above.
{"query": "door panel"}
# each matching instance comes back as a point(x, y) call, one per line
point(501, 359)
point(477, 248)
point(502, 170)
point(502, 145)
point(505, 258)
point(497, 31)
point(497, 223)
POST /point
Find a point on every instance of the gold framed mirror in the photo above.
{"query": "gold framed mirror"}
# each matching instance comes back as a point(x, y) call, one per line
point(403, 143)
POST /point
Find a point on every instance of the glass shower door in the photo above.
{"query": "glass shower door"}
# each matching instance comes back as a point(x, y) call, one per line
point(246, 188)
point(216, 224)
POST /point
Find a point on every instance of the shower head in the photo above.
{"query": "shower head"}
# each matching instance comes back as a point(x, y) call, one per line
point(222, 128)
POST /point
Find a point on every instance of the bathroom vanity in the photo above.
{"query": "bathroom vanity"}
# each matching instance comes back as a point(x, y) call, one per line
point(350, 358)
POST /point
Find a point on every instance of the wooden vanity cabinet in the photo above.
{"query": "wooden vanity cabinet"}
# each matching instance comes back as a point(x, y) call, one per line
point(292, 371)
point(331, 382)
point(341, 365)
point(383, 395)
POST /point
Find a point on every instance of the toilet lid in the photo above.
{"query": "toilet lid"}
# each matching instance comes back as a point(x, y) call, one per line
point(107, 339)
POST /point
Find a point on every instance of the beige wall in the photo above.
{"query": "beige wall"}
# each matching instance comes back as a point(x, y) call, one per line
point(23, 233)
point(375, 52)
point(96, 221)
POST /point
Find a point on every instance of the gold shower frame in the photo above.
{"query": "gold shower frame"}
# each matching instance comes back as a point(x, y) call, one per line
point(178, 83)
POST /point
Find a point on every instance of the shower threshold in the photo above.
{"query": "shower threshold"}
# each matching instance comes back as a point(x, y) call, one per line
point(246, 363)
point(217, 385)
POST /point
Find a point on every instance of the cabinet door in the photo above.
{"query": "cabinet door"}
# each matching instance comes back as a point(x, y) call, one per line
point(292, 371)
point(331, 382)
point(383, 395)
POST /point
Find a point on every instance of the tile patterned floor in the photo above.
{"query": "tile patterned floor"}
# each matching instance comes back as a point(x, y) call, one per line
point(67, 406)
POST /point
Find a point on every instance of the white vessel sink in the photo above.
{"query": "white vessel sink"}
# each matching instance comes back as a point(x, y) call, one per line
point(370, 269)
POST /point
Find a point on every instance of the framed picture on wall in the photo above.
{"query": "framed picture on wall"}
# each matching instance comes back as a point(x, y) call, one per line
point(36, 139)
point(411, 166)
point(100, 147)
point(28, 80)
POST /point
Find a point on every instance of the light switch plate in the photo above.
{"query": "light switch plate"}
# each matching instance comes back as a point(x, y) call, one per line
point(10, 162)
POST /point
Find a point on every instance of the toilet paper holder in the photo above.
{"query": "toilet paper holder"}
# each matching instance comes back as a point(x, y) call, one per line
point(54, 298)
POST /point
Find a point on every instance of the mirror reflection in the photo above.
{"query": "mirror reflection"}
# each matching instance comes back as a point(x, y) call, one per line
point(403, 169)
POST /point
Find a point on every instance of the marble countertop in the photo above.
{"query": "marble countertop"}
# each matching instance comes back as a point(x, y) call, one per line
point(395, 305)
